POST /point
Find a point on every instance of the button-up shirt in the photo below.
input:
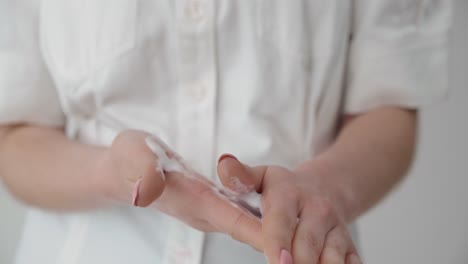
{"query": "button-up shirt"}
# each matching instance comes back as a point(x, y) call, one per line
point(266, 80)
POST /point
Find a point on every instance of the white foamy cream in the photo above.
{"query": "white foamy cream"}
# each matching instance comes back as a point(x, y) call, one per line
point(244, 196)
point(164, 162)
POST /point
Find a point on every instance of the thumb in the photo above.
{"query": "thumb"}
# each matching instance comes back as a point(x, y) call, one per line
point(149, 187)
point(238, 177)
point(151, 183)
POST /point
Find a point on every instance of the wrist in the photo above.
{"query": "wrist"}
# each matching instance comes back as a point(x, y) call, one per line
point(101, 173)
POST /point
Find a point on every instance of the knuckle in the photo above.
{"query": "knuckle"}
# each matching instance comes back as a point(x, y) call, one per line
point(324, 209)
point(311, 242)
point(337, 244)
point(274, 224)
point(338, 241)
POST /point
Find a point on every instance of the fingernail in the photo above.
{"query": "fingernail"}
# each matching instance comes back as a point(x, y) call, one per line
point(136, 189)
point(226, 155)
point(285, 257)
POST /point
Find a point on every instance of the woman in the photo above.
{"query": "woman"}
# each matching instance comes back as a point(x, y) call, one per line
point(317, 100)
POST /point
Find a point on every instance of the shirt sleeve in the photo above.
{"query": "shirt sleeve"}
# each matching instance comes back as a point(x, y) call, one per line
point(398, 54)
point(27, 93)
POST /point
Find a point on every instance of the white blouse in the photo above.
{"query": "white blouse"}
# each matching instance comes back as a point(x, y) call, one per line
point(266, 80)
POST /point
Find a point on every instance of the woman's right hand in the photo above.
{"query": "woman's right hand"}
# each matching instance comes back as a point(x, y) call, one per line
point(128, 174)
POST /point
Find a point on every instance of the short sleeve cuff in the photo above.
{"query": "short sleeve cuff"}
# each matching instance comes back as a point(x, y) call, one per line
point(27, 94)
point(386, 76)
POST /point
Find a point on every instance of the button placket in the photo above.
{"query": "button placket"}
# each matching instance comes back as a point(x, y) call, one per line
point(196, 101)
point(198, 91)
point(195, 9)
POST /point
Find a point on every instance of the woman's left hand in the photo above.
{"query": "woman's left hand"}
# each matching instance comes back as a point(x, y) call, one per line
point(301, 224)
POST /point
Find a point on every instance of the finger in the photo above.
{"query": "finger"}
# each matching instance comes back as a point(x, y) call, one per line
point(279, 223)
point(339, 247)
point(202, 225)
point(239, 177)
point(232, 220)
point(148, 188)
point(353, 258)
point(336, 246)
point(150, 184)
point(310, 235)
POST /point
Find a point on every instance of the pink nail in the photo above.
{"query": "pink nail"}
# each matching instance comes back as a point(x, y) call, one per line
point(226, 155)
point(136, 189)
point(285, 257)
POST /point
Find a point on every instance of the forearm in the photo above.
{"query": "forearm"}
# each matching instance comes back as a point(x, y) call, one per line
point(42, 167)
point(372, 153)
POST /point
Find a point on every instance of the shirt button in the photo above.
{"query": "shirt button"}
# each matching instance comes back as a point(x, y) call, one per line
point(195, 9)
point(198, 92)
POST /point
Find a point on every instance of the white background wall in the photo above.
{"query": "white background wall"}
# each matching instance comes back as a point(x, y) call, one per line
point(426, 218)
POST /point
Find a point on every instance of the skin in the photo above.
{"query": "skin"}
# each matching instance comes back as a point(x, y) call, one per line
point(305, 210)
point(43, 168)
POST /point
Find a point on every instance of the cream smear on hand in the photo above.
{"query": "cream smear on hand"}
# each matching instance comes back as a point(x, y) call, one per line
point(243, 196)
point(164, 162)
